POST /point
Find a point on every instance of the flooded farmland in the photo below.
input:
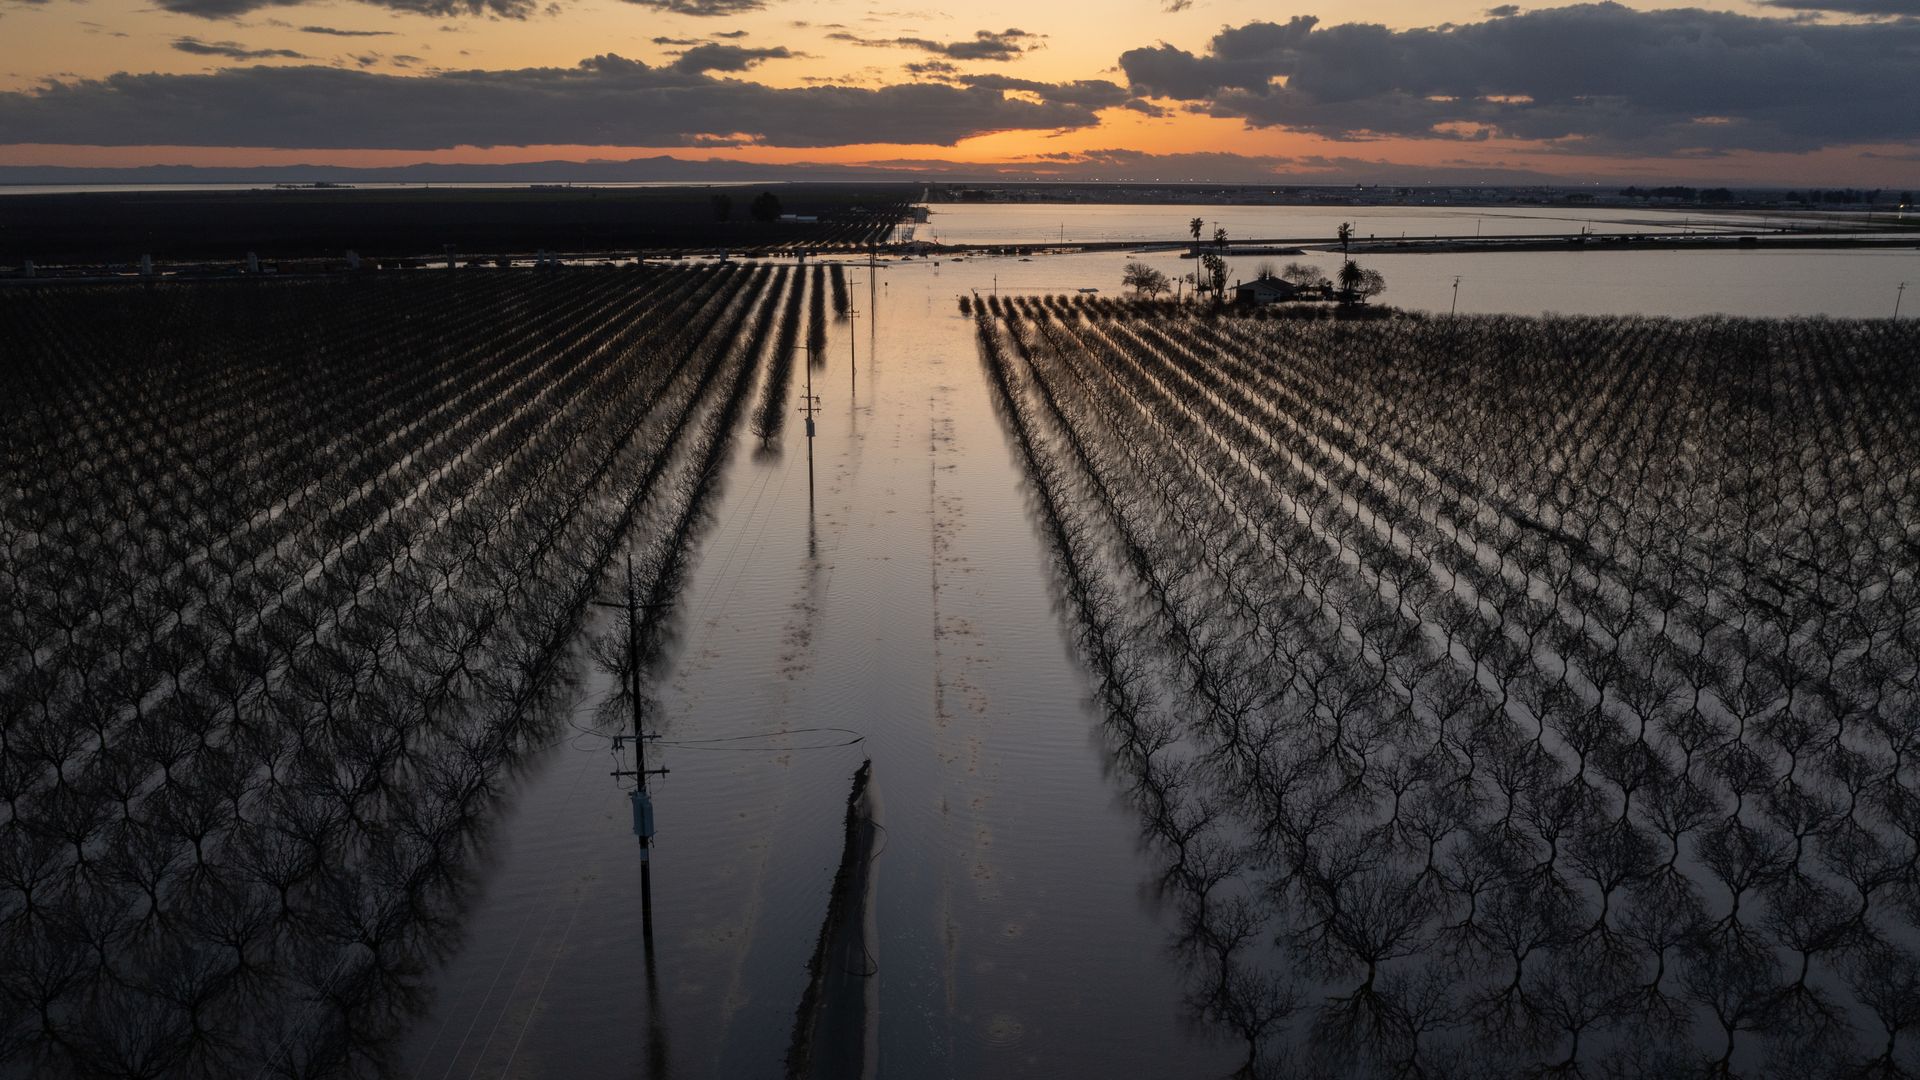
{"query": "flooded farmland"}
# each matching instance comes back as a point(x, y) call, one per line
point(977, 575)
point(905, 601)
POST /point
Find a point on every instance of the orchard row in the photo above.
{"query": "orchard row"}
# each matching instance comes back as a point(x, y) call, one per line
point(1502, 694)
point(292, 575)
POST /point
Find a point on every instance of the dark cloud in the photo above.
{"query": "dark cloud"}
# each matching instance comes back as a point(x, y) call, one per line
point(1601, 77)
point(1247, 58)
point(1910, 8)
point(1218, 167)
point(705, 9)
point(1088, 93)
point(232, 50)
point(603, 101)
point(230, 9)
point(727, 58)
point(1142, 165)
point(984, 45)
point(1084, 93)
point(730, 34)
point(331, 32)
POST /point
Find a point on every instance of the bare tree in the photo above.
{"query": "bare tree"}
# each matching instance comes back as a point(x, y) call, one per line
point(1142, 278)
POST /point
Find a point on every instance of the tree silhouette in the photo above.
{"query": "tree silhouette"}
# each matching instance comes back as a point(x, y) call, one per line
point(1145, 279)
point(1358, 285)
point(1216, 272)
point(766, 207)
point(1307, 277)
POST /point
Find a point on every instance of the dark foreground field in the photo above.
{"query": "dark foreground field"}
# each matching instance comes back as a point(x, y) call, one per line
point(294, 577)
point(1492, 696)
point(119, 227)
point(1504, 696)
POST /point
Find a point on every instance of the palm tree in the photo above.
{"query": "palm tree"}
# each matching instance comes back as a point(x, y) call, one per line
point(1346, 234)
point(1350, 277)
point(1357, 286)
point(1216, 271)
point(1194, 227)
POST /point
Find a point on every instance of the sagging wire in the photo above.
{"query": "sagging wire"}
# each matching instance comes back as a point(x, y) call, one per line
point(715, 744)
point(616, 742)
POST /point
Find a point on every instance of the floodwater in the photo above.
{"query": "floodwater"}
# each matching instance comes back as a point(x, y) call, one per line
point(900, 598)
point(1761, 283)
point(1047, 223)
point(896, 593)
point(1764, 283)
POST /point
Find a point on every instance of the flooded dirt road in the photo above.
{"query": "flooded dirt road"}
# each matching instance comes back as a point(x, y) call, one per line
point(898, 609)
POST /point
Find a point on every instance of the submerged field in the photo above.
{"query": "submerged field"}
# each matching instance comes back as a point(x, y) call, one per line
point(1468, 696)
point(1503, 695)
point(294, 578)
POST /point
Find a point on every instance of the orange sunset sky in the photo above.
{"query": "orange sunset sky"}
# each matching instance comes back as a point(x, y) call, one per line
point(1754, 92)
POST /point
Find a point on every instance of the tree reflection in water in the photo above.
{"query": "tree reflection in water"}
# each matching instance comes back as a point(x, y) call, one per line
point(260, 705)
point(1501, 696)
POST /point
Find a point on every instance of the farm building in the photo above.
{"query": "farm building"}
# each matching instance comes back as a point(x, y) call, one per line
point(1267, 290)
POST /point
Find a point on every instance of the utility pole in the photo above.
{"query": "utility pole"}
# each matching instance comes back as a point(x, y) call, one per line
point(640, 798)
point(853, 366)
point(810, 405)
point(1899, 294)
point(1456, 297)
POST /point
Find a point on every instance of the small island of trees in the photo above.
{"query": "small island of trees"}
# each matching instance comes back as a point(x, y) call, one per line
point(1353, 285)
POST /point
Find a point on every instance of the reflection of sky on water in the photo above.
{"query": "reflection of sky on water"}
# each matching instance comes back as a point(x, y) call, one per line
point(1022, 926)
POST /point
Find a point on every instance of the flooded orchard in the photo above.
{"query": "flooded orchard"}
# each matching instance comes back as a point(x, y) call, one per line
point(1416, 696)
point(902, 599)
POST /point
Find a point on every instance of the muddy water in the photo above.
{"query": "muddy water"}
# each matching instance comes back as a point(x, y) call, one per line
point(900, 598)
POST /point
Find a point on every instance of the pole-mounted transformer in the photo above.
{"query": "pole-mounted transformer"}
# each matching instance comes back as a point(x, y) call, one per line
point(642, 819)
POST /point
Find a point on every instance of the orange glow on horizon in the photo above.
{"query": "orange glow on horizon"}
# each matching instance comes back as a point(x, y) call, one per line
point(829, 43)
